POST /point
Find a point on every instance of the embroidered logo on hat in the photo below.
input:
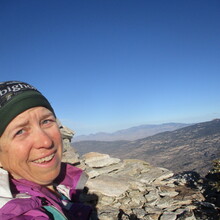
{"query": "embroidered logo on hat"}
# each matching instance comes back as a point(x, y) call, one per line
point(12, 88)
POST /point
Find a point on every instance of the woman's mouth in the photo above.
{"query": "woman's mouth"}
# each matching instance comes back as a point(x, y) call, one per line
point(44, 159)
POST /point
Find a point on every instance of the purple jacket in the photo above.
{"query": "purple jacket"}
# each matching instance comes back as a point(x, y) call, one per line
point(25, 200)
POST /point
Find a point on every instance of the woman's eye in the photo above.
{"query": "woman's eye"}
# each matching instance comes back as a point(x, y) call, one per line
point(19, 132)
point(46, 121)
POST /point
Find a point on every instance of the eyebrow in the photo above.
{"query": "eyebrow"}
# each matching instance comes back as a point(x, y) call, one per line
point(21, 124)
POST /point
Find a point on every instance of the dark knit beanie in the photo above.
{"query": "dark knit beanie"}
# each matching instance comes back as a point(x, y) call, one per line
point(15, 98)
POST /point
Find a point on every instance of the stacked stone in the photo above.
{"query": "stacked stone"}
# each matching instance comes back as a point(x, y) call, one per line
point(133, 189)
point(69, 153)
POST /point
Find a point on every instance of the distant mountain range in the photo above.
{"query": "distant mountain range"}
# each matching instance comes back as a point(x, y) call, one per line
point(132, 133)
point(191, 148)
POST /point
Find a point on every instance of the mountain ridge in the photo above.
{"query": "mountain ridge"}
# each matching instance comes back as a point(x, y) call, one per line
point(189, 148)
point(132, 133)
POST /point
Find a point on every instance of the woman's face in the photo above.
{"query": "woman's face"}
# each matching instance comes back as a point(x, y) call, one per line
point(31, 146)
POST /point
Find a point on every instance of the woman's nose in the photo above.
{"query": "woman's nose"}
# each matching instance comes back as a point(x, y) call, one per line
point(42, 139)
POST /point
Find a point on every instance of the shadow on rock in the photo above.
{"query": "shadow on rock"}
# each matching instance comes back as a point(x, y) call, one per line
point(122, 214)
point(91, 200)
point(209, 209)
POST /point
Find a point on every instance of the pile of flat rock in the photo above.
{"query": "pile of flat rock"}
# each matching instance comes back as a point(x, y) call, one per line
point(133, 189)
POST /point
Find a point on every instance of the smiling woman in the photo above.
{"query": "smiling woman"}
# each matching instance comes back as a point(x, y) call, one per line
point(31, 173)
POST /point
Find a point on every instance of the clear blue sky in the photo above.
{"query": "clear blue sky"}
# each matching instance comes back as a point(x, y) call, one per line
point(106, 65)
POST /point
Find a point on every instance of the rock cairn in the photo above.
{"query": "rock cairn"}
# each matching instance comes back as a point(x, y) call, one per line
point(69, 153)
point(133, 189)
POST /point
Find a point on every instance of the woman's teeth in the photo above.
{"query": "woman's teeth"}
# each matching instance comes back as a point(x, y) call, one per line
point(45, 159)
